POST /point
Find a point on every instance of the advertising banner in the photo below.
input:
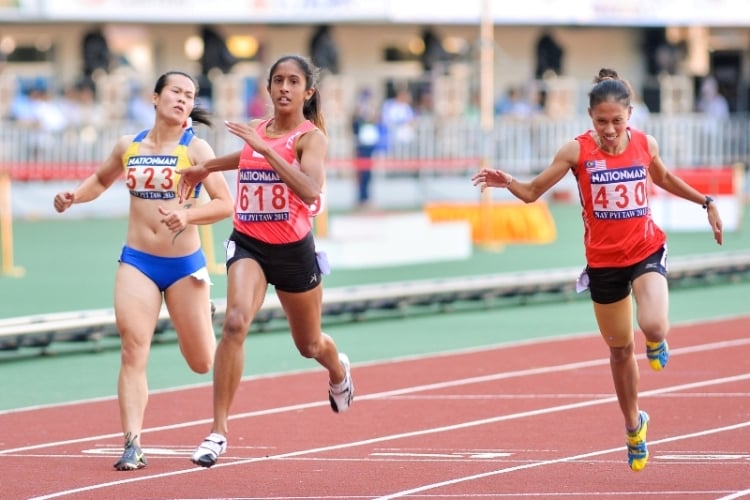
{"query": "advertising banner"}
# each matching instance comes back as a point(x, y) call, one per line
point(503, 12)
point(214, 11)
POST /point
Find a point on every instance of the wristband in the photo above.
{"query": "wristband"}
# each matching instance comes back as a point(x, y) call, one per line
point(707, 202)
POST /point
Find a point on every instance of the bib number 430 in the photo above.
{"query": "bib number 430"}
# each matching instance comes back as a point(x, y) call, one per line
point(621, 196)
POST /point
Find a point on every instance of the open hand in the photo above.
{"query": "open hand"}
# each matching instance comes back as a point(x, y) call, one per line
point(488, 177)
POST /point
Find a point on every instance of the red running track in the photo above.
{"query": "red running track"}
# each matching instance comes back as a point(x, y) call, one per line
point(529, 420)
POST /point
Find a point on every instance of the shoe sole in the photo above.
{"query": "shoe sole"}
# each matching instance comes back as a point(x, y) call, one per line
point(129, 467)
point(206, 463)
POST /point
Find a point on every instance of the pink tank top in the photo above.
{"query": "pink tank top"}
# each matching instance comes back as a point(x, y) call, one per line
point(618, 228)
point(265, 208)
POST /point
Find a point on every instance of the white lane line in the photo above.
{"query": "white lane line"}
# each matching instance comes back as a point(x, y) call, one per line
point(738, 494)
point(447, 428)
point(412, 357)
point(571, 458)
point(386, 394)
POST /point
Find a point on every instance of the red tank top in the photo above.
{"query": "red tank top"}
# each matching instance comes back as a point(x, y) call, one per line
point(618, 228)
point(265, 208)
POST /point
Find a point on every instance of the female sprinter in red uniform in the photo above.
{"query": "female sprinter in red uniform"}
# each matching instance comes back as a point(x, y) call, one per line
point(625, 250)
point(280, 177)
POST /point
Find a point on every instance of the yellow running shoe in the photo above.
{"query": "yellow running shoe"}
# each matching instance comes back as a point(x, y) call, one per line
point(637, 449)
point(658, 354)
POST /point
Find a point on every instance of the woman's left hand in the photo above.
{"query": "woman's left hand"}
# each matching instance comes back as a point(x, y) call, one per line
point(174, 220)
point(714, 220)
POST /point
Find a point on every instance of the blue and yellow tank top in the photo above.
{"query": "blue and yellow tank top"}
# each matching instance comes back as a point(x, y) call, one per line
point(153, 176)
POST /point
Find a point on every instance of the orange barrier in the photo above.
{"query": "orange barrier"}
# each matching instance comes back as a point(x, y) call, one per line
point(508, 222)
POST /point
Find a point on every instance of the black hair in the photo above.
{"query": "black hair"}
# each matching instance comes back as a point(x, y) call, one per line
point(198, 113)
point(609, 86)
point(312, 108)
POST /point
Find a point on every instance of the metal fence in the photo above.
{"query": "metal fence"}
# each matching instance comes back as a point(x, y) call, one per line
point(436, 147)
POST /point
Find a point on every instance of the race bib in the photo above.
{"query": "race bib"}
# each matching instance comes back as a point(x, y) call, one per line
point(151, 177)
point(620, 193)
point(261, 197)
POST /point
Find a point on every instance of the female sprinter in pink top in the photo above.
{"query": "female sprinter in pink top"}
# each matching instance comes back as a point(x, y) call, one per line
point(279, 180)
point(625, 250)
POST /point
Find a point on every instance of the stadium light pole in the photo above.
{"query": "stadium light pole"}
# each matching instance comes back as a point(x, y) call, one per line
point(487, 118)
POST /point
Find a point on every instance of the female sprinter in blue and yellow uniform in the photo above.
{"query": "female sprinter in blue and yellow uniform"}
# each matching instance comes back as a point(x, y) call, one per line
point(162, 258)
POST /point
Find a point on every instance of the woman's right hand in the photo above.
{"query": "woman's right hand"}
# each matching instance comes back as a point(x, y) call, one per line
point(64, 200)
point(488, 177)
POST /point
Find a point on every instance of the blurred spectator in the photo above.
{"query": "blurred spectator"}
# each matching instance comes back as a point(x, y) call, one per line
point(79, 105)
point(711, 102)
point(260, 106)
point(519, 139)
point(397, 119)
point(715, 108)
point(515, 105)
point(473, 110)
point(425, 105)
point(640, 114)
point(21, 107)
point(39, 111)
point(141, 109)
point(366, 138)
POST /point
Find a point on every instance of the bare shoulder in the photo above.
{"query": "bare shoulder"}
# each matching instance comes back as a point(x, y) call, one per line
point(122, 144)
point(653, 145)
point(569, 152)
point(315, 135)
point(200, 150)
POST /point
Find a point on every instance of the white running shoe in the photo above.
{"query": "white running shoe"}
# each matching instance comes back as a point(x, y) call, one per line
point(209, 451)
point(341, 399)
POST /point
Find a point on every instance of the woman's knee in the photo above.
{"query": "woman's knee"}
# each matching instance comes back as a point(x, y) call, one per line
point(309, 349)
point(236, 325)
point(654, 329)
point(620, 354)
point(201, 365)
point(134, 350)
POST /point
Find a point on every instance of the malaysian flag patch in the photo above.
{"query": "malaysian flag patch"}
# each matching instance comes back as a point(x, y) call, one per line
point(596, 165)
